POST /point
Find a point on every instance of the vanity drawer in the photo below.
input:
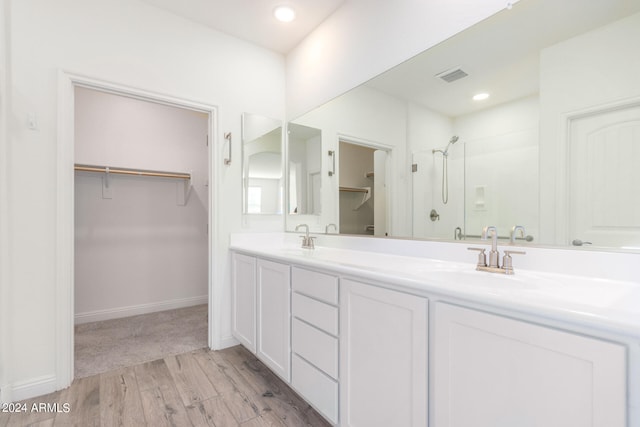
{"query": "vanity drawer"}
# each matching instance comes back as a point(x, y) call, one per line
point(319, 314)
point(317, 285)
point(320, 390)
point(315, 346)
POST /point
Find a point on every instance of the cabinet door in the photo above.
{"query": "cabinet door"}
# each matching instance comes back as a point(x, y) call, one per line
point(383, 357)
point(243, 312)
point(274, 317)
point(492, 371)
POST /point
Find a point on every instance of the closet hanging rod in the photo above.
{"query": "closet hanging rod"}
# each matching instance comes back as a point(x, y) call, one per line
point(137, 172)
point(354, 189)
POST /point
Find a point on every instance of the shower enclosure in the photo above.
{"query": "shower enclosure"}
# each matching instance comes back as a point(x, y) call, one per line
point(438, 190)
point(474, 181)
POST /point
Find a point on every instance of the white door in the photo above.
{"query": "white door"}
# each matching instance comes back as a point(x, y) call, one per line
point(380, 193)
point(274, 324)
point(383, 357)
point(604, 185)
point(243, 271)
point(492, 371)
point(315, 182)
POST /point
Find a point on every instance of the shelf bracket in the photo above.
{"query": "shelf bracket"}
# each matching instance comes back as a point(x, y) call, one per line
point(366, 196)
point(183, 190)
point(106, 187)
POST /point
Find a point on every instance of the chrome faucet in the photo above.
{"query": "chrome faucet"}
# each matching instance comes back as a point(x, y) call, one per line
point(513, 233)
point(307, 241)
point(326, 229)
point(494, 254)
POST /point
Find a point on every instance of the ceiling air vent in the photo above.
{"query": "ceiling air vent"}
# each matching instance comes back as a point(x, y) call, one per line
point(452, 75)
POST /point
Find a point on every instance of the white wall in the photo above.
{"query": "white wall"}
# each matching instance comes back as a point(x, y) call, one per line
point(5, 290)
point(588, 71)
point(365, 38)
point(141, 249)
point(501, 157)
point(133, 44)
point(364, 116)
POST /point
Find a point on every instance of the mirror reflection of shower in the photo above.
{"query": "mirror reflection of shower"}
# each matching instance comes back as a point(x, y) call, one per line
point(445, 174)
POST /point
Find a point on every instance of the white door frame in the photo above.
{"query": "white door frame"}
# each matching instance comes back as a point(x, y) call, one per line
point(64, 323)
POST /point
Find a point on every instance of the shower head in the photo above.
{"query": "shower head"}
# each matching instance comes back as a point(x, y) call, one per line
point(445, 152)
point(452, 141)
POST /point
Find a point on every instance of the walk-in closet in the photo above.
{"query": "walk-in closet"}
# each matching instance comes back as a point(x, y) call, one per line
point(141, 230)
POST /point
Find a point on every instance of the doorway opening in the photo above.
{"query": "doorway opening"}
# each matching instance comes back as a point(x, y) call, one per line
point(363, 190)
point(141, 229)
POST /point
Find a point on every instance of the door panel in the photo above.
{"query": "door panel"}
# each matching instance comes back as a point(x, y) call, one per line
point(604, 189)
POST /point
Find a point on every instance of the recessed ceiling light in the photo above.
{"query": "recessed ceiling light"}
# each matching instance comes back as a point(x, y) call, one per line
point(284, 13)
point(480, 96)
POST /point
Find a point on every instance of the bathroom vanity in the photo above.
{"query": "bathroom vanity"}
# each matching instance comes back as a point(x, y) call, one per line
point(377, 339)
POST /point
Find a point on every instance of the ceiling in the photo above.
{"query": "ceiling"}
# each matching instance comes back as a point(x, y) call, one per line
point(501, 54)
point(252, 20)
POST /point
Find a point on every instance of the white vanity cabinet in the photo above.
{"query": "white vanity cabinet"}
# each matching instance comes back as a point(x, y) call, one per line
point(493, 371)
point(365, 350)
point(274, 322)
point(260, 313)
point(243, 308)
point(314, 339)
point(383, 352)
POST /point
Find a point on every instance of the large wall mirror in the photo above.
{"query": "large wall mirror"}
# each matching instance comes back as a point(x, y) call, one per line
point(262, 179)
point(553, 144)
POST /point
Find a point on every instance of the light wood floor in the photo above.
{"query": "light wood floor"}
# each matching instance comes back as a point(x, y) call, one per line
point(201, 388)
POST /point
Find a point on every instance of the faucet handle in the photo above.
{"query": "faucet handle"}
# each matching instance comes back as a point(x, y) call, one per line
point(507, 261)
point(307, 242)
point(482, 257)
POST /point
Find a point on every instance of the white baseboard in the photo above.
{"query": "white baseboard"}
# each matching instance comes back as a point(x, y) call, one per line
point(133, 310)
point(27, 389)
point(227, 342)
point(6, 395)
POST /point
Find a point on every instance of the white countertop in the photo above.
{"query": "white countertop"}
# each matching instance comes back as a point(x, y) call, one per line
point(605, 304)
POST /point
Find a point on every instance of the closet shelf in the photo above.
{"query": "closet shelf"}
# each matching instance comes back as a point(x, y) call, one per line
point(354, 189)
point(182, 188)
point(136, 172)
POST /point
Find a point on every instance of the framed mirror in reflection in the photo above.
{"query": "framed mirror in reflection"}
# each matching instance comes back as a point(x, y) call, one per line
point(529, 118)
point(262, 178)
point(304, 170)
